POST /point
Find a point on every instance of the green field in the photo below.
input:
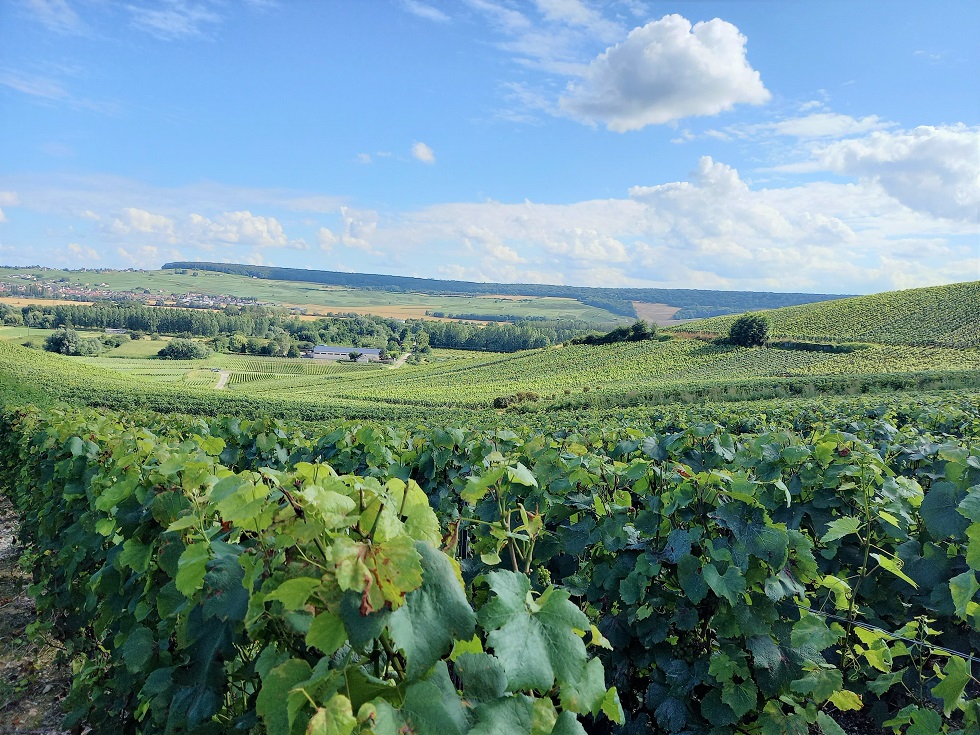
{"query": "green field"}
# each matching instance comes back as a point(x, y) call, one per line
point(318, 298)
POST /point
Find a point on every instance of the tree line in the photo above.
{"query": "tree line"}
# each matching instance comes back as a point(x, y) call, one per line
point(276, 332)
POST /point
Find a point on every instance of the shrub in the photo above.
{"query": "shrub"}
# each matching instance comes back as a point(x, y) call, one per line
point(749, 330)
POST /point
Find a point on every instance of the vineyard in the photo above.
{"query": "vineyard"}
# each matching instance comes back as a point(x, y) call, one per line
point(720, 571)
point(941, 316)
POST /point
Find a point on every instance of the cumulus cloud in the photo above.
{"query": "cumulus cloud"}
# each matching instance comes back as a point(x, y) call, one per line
point(664, 71)
point(83, 252)
point(132, 220)
point(423, 153)
point(241, 228)
point(3, 217)
point(928, 169)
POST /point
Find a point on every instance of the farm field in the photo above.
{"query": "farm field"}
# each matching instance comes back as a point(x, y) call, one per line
point(323, 298)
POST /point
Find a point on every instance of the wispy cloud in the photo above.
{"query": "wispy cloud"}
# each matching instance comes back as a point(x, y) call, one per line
point(56, 15)
point(53, 91)
point(174, 19)
point(424, 10)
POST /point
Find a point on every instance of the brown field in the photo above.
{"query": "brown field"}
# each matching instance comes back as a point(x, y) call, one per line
point(17, 301)
point(659, 314)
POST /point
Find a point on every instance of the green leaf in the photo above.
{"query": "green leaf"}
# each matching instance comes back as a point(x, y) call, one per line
point(893, 565)
point(820, 683)
point(742, 698)
point(729, 585)
point(482, 676)
point(536, 645)
point(413, 505)
point(188, 521)
point(586, 693)
point(969, 507)
point(691, 581)
point(811, 630)
point(272, 703)
point(568, 724)
point(846, 700)
point(940, 511)
point(191, 567)
point(293, 593)
point(504, 716)
point(326, 632)
point(335, 718)
point(828, 726)
point(138, 648)
point(840, 528)
point(433, 616)
point(963, 587)
point(950, 689)
point(611, 706)
point(521, 475)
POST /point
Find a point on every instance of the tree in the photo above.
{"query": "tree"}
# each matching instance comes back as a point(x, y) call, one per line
point(65, 341)
point(184, 349)
point(749, 330)
point(353, 356)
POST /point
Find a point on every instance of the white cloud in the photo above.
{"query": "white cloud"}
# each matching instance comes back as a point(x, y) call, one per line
point(9, 198)
point(245, 228)
point(173, 19)
point(929, 169)
point(424, 10)
point(811, 127)
point(83, 252)
point(423, 153)
point(139, 221)
point(665, 71)
point(56, 15)
point(326, 239)
point(3, 217)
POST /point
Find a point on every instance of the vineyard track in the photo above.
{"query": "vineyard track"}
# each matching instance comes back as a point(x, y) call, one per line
point(31, 685)
point(222, 380)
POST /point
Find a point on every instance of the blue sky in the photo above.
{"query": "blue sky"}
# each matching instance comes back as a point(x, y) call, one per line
point(784, 146)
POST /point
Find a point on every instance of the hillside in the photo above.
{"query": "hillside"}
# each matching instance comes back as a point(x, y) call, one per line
point(941, 316)
point(692, 302)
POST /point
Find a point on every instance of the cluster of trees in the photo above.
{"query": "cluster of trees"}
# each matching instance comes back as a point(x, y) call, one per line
point(639, 331)
point(184, 349)
point(66, 341)
point(260, 330)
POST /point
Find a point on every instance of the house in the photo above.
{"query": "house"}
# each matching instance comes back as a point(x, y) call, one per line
point(341, 352)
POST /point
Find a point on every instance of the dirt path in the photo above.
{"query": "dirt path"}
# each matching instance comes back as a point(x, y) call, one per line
point(401, 360)
point(222, 380)
point(31, 685)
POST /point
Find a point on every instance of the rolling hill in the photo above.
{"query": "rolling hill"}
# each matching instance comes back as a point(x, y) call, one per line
point(940, 316)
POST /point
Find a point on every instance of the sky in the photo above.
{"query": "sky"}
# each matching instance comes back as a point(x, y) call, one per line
point(814, 145)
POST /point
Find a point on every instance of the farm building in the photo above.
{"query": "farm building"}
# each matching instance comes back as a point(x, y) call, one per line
point(341, 352)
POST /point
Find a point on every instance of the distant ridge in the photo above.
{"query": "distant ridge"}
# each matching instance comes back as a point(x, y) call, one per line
point(693, 302)
point(939, 316)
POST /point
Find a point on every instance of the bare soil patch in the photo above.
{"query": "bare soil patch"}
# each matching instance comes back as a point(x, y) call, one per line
point(659, 314)
point(32, 685)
